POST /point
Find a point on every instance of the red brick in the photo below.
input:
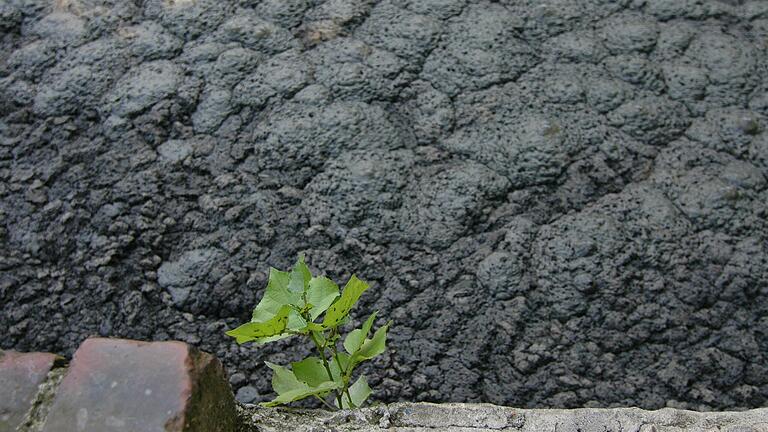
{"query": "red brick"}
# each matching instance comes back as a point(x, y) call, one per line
point(124, 385)
point(20, 376)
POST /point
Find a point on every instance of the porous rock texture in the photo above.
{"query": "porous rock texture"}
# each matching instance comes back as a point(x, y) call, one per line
point(560, 203)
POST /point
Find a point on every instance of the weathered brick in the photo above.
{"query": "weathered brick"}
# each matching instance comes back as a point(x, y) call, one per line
point(125, 385)
point(20, 376)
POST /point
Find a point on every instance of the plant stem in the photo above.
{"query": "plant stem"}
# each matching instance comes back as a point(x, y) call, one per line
point(321, 350)
point(331, 407)
point(345, 379)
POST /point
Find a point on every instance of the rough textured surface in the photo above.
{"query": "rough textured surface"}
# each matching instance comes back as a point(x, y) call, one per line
point(560, 204)
point(20, 376)
point(123, 385)
point(35, 417)
point(484, 417)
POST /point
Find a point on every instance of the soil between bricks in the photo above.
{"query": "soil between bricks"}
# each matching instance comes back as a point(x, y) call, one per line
point(560, 205)
point(21, 376)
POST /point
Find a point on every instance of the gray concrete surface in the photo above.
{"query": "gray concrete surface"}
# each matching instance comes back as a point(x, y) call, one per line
point(485, 417)
point(561, 203)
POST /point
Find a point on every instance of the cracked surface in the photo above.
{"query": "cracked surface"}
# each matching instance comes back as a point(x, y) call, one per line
point(559, 204)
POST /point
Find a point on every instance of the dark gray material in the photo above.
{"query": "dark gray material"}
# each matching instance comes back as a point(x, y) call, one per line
point(559, 203)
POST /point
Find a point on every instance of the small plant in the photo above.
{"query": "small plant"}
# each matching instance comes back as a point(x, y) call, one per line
point(291, 306)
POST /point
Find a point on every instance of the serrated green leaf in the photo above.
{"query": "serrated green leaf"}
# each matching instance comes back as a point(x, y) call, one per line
point(300, 277)
point(373, 346)
point(302, 393)
point(355, 338)
point(312, 371)
point(257, 330)
point(340, 309)
point(275, 296)
point(321, 294)
point(283, 379)
point(290, 387)
point(295, 323)
point(358, 392)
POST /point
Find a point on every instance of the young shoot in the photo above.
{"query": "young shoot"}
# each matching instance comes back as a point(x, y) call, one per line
point(296, 303)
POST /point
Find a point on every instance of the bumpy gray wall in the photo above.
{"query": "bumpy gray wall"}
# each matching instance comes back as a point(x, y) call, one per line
point(561, 203)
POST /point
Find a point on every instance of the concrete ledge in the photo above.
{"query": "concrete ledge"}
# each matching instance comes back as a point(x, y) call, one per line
point(484, 417)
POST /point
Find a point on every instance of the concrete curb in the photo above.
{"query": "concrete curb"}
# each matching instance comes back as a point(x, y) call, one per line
point(457, 417)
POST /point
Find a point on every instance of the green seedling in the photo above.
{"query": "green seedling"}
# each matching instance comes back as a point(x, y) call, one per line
point(292, 306)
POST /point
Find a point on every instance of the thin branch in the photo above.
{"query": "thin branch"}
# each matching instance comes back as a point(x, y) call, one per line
point(321, 350)
point(345, 379)
point(331, 407)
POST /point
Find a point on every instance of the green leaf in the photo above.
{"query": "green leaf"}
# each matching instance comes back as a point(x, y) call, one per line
point(302, 393)
point(283, 380)
point(266, 340)
point(355, 338)
point(295, 323)
point(290, 388)
point(340, 309)
point(372, 347)
point(300, 277)
point(275, 296)
point(343, 321)
point(358, 392)
point(256, 330)
point(321, 294)
point(312, 371)
point(278, 279)
point(317, 329)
